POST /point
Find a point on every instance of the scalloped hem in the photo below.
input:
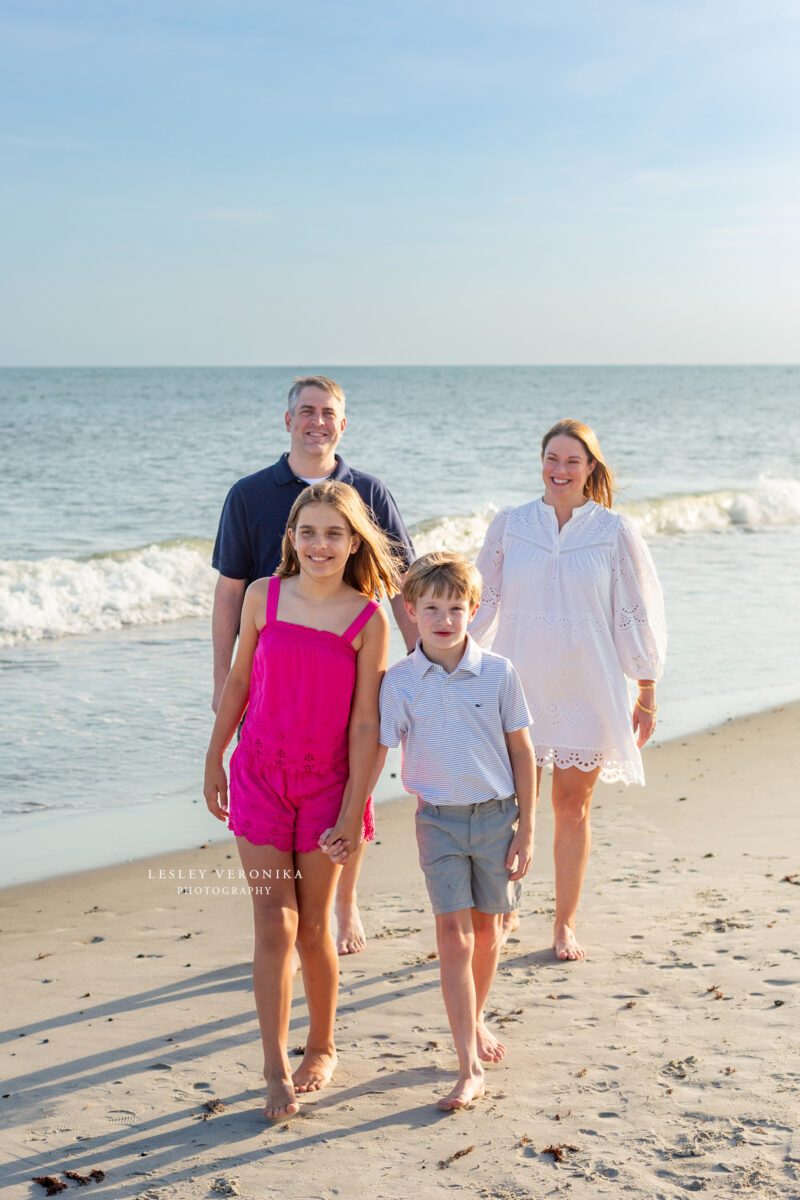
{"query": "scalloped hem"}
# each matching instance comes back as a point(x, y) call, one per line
point(278, 840)
point(612, 770)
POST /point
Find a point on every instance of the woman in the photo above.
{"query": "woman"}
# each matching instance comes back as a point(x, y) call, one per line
point(571, 596)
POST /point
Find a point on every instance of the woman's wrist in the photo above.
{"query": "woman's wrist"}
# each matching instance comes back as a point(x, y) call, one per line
point(646, 685)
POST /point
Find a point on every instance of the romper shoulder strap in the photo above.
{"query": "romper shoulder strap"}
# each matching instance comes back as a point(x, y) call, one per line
point(273, 594)
point(360, 621)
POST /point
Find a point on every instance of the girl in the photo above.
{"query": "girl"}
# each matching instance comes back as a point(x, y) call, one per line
point(312, 651)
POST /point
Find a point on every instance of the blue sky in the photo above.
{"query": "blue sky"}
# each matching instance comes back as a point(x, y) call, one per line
point(234, 182)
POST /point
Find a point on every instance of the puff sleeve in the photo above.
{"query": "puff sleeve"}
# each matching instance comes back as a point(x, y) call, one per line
point(640, 632)
point(490, 564)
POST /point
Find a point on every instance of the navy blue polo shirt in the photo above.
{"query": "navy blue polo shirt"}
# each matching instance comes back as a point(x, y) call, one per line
point(256, 510)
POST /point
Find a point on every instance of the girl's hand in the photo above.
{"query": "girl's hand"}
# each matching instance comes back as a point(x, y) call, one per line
point(337, 851)
point(340, 842)
point(215, 790)
point(521, 852)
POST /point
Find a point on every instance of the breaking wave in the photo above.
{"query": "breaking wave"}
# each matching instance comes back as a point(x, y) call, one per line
point(56, 597)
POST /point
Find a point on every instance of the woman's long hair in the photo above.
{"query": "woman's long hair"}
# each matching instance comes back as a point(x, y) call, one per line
point(372, 569)
point(600, 485)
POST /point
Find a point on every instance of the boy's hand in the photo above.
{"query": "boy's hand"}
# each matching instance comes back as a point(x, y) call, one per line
point(337, 851)
point(340, 842)
point(521, 852)
point(215, 790)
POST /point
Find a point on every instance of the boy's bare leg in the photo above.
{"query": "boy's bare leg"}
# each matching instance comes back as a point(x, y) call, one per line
point(320, 967)
point(456, 941)
point(350, 938)
point(275, 921)
point(572, 798)
point(487, 929)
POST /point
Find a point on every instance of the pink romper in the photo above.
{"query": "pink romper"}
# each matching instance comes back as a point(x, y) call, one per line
point(288, 773)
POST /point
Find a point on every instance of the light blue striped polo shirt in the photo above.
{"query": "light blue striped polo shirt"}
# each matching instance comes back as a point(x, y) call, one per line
point(451, 726)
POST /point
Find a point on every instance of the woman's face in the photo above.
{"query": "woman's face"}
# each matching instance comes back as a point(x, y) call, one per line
point(565, 469)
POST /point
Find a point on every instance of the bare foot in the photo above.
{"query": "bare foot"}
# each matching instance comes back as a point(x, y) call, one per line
point(565, 944)
point(489, 1049)
point(350, 938)
point(468, 1088)
point(509, 923)
point(315, 1071)
point(280, 1100)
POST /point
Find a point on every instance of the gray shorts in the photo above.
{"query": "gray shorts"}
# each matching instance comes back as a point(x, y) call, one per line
point(462, 850)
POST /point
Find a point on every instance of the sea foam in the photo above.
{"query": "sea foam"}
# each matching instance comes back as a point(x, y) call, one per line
point(53, 597)
point(773, 502)
point(56, 597)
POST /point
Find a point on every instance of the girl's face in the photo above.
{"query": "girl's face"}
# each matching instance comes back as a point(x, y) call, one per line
point(565, 469)
point(323, 540)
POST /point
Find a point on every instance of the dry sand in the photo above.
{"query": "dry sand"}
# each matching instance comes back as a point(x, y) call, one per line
point(665, 1064)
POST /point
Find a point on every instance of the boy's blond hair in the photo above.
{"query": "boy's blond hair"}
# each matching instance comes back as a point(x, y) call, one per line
point(446, 574)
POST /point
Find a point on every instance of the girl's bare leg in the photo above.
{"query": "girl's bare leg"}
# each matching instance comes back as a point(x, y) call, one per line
point(572, 798)
point(275, 920)
point(320, 966)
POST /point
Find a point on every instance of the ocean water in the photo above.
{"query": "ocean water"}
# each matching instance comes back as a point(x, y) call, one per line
point(112, 486)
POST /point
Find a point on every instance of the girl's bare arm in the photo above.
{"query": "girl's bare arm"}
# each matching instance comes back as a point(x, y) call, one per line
point(233, 702)
point(363, 730)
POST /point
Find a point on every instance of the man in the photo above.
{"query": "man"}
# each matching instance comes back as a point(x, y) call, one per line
point(248, 547)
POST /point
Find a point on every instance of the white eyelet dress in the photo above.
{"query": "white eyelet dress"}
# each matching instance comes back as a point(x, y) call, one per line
point(576, 611)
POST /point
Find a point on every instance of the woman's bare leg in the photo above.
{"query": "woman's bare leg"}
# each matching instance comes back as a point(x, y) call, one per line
point(572, 798)
point(320, 967)
point(275, 922)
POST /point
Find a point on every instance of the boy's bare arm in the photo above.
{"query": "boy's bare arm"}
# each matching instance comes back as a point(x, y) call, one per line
point(523, 767)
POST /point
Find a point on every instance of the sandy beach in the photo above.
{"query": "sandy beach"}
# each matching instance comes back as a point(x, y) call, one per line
point(664, 1064)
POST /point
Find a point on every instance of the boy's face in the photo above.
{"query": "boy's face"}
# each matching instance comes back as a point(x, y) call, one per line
point(442, 620)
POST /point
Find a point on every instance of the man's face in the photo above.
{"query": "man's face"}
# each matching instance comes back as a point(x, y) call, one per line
point(317, 423)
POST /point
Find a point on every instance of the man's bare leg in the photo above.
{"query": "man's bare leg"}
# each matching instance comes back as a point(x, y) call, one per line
point(350, 938)
point(509, 923)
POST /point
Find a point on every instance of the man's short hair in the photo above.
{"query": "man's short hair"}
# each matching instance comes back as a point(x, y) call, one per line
point(446, 574)
point(317, 381)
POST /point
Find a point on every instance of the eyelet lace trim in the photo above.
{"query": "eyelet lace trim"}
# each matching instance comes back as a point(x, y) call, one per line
point(277, 756)
point(612, 768)
point(563, 626)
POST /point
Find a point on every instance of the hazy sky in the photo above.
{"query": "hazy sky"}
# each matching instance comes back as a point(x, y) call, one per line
point(391, 181)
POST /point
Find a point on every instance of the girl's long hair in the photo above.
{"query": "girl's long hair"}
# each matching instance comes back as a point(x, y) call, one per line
point(375, 567)
point(600, 486)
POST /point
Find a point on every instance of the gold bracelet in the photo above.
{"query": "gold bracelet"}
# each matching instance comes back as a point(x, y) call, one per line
point(651, 712)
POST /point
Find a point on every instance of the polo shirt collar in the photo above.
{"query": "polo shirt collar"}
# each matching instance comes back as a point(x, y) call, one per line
point(285, 474)
point(471, 661)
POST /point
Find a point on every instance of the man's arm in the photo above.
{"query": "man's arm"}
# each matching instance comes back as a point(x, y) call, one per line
point(228, 601)
point(404, 623)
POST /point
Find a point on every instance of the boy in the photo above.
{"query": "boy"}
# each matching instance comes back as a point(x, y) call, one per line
point(461, 716)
